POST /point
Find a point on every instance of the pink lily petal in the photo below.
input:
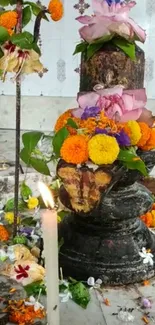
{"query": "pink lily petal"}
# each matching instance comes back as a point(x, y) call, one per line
point(113, 110)
point(94, 31)
point(84, 19)
point(111, 91)
point(87, 100)
point(140, 98)
point(132, 115)
point(100, 8)
point(125, 8)
point(128, 102)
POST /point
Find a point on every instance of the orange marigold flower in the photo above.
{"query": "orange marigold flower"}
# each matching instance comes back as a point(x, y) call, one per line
point(4, 235)
point(125, 128)
point(62, 120)
point(145, 131)
point(147, 219)
point(8, 20)
point(146, 283)
point(150, 144)
point(56, 9)
point(75, 149)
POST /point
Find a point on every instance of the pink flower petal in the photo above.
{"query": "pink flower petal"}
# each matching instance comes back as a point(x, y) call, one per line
point(111, 91)
point(87, 100)
point(140, 98)
point(94, 31)
point(100, 7)
point(132, 115)
point(84, 19)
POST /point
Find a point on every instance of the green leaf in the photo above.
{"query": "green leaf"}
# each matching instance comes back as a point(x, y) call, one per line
point(103, 39)
point(27, 14)
point(71, 123)
point(10, 205)
point(137, 165)
point(25, 191)
point(127, 47)
point(80, 47)
point(36, 48)
point(31, 139)
point(34, 288)
point(62, 214)
point(40, 166)
point(80, 294)
point(132, 161)
point(4, 35)
point(4, 3)
point(13, 2)
point(36, 9)
point(29, 221)
point(25, 156)
point(60, 243)
point(23, 40)
point(93, 48)
point(1, 54)
point(126, 155)
point(58, 140)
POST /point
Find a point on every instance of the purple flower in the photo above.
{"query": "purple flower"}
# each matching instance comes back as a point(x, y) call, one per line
point(26, 230)
point(101, 131)
point(90, 112)
point(122, 139)
point(109, 2)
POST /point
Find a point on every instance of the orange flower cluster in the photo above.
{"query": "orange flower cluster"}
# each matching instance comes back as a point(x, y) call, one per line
point(149, 218)
point(146, 132)
point(56, 9)
point(150, 144)
point(62, 120)
point(75, 149)
point(9, 21)
point(4, 235)
point(21, 314)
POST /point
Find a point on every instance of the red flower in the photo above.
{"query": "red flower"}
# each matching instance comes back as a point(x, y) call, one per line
point(22, 272)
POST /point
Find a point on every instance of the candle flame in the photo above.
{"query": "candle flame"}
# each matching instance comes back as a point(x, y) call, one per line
point(46, 195)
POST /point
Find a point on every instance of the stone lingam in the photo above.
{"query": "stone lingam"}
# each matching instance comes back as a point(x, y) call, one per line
point(105, 242)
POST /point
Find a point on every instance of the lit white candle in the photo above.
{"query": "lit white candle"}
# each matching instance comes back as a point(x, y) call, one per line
point(50, 239)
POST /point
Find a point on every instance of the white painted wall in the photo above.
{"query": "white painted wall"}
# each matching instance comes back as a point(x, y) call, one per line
point(44, 99)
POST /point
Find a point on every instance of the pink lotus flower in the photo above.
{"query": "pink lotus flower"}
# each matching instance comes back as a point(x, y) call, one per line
point(123, 105)
point(109, 20)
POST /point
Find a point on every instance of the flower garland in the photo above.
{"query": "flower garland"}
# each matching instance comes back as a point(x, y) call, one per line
point(105, 137)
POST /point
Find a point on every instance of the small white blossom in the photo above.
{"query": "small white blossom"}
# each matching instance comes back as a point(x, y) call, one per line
point(94, 284)
point(147, 257)
point(65, 296)
point(126, 317)
point(3, 255)
point(33, 302)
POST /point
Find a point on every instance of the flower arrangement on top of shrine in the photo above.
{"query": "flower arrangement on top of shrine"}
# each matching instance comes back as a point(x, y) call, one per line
point(93, 142)
point(19, 51)
point(109, 23)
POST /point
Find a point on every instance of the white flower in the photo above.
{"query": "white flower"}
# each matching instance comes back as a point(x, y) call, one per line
point(11, 254)
point(34, 237)
point(3, 255)
point(126, 317)
point(147, 257)
point(65, 296)
point(33, 302)
point(94, 284)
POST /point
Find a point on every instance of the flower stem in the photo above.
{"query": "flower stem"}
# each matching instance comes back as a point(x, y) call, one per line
point(18, 113)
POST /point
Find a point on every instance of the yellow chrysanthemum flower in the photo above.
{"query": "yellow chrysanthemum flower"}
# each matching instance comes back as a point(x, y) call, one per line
point(32, 203)
point(103, 149)
point(135, 132)
point(9, 218)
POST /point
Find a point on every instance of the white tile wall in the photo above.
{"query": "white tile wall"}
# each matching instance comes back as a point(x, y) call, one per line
point(58, 42)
